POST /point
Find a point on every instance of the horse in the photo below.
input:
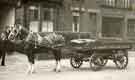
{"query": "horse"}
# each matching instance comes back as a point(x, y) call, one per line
point(2, 49)
point(30, 43)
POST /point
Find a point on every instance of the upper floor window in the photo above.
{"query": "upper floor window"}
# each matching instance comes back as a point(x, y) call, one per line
point(131, 26)
point(33, 13)
point(116, 3)
point(19, 16)
point(47, 14)
point(77, 1)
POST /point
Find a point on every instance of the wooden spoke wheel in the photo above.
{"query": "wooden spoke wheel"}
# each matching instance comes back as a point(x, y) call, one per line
point(121, 60)
point(96, 62)
point(76, 61)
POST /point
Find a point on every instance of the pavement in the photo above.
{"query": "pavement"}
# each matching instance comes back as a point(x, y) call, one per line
point(16, 66)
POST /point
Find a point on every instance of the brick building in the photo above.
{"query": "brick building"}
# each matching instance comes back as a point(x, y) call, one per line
point(103, 18)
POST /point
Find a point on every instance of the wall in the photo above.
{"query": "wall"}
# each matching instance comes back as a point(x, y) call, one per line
point(7, 16)
point(88, 24)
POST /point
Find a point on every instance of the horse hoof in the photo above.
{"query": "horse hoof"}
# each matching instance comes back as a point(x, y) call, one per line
point(58, 70)
point(33, 72)
point(54, 69)
point(28, 72)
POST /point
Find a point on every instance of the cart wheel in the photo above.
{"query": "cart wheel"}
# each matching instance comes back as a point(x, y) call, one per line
point(96, 62)
point(76, 61)
point(121, 59)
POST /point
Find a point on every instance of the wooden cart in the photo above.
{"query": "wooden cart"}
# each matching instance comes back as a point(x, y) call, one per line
point(98, 52)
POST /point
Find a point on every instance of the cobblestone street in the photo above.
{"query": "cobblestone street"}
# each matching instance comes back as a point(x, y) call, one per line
point(16, 66)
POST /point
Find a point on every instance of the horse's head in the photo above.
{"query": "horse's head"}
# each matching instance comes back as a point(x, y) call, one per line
point(18, 32)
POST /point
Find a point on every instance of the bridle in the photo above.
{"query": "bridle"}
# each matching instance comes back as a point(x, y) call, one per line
point(12, 35)
point(15, 32)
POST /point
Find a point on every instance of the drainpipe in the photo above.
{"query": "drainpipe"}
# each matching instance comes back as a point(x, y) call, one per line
point(40, 17)
point(125, 28)
point(99, 26)
point(80, 18)
point(25, 17)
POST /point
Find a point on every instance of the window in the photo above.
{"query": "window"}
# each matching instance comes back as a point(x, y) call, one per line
point(34, 18)
point(117, 3)
point(76, 24)
point(77, 1)
point(112, 27)
point(47, 23)
point(33, 13)
point(47, 14)
point(93, 17)
point(131, 26)
point(122, 3)
point(19, 16)
point(110, 2)
point(92, 22)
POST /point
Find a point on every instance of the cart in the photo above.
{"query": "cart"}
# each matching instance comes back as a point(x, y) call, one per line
point(98, 52)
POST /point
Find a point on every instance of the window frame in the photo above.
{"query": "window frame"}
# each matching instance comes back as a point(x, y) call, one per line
point(76, 14)
point(131, 27)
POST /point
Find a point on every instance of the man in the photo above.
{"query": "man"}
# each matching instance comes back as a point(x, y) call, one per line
point(4, 43)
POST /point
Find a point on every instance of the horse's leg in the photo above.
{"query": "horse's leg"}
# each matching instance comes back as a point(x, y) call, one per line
point(0, 54)
point(3, 58)
point(31, 57)
point(57, 55)
point(58, 66)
